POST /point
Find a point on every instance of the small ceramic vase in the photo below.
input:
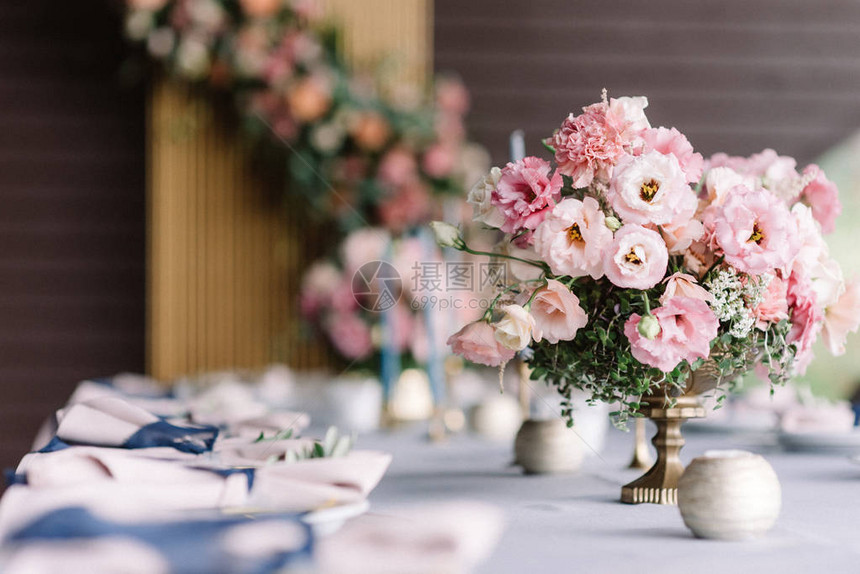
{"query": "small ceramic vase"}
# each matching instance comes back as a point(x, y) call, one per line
point(547, 446)
point(497, 418)
point(729, 495)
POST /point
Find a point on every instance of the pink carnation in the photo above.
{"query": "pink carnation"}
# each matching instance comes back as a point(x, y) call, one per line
point(806, 320)
point(774, 306)
point(350, 336)
point(526, 193)
point(573, 237)
point(636, 259)
point(651, 188)
point(754, 230)
point(687, 327)
point(587, 146)
point(672, 142)
point(822, 196)
point(556, 313)
point(477, 342)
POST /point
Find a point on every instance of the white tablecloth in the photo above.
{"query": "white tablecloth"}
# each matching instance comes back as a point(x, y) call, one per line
point(575, 523)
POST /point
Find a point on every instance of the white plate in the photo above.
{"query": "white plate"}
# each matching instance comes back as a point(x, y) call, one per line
point(846, 442)
point(329, 520)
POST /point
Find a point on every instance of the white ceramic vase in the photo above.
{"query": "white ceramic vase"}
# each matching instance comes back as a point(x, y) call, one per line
point(729, 495)
point(547, 446)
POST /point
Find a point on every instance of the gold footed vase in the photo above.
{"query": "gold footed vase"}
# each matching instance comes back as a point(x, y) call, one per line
point(660, 484)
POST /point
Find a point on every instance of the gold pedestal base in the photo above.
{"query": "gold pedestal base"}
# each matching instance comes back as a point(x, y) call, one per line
point(660, 484)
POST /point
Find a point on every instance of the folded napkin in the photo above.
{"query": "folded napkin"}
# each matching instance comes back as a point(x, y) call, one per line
point(318, 483)
point(225, 403)
point(819, 417)
point(452, 537)
point(160, 405)
point(113, 421)
point(235, 544)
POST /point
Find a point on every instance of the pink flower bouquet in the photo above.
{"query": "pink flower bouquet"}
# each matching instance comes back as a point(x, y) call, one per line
point(650, 261)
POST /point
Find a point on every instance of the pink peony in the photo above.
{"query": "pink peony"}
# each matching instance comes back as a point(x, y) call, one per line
point(842, 317)
point(684, 285)
point(476, 342)
point(672, 142)
point(573, 237)
point(526, 193)
point(651, 188)
point(350, 336)
point(806, 320)
point(587, 146)
point(822, 196)
point(556, 313)
point(774, 306)
point(636, 259)
point(687, 327)
point(754, 230)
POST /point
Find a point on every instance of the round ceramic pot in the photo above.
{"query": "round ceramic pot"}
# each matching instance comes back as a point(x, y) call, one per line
point(547, 446)
point(729, 495)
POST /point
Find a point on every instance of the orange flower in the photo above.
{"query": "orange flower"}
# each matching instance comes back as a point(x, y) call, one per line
point(309, 99)
point(371, 131)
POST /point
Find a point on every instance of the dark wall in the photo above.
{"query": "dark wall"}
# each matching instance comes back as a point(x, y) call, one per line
point(733, 75)
point(72, 208)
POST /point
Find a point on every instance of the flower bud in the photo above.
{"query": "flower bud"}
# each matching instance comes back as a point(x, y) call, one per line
point(649, 327)
point(446, 234)
point(612, 223)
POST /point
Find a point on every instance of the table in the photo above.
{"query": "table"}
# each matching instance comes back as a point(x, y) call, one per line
point(575, 523)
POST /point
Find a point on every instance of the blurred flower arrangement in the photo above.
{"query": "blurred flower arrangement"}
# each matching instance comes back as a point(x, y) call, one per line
point(650, 262)
point(364, 312)
point(362, 149)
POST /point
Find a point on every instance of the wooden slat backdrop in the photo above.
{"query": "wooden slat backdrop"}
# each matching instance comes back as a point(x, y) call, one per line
point(734, 75)
point(226, 250)
point(72, 230)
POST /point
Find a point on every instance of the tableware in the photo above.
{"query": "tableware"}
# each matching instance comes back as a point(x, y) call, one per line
point(327, 521)
point(548, 446)
point(729, 495)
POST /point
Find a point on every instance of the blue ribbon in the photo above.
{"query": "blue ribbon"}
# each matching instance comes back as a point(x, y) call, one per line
point(11, 477)
point(55, 445)
point(225, 472)
point(195, 440)
point(190, 546)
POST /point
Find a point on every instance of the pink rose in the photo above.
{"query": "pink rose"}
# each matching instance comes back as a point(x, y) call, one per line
point(684, 285)
point(806, 320)
point(410, 204)
point(557, 314)
point(363, 246)
point(842, 317)
point(687, 327)
point(679, 238)
point(636, 259)
point(476, 342)
point(651, 188)
point(439, 161)
point(587, 146)
point(398, 167)
point(573, 237)
point(672, 142)
point(754, 230)
point(774, 306)
point(350, 336)
point(822, 196)
point(318, 286)
point(526, 193)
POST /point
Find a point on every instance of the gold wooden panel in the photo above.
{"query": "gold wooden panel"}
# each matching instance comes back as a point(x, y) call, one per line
point(226, 248)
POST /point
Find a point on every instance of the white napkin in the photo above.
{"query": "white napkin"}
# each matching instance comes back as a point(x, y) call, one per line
point(87, 391)
point(452, 537)
point(106, 421)
point(100, 556)
point(225, 403)
point(317, 483)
